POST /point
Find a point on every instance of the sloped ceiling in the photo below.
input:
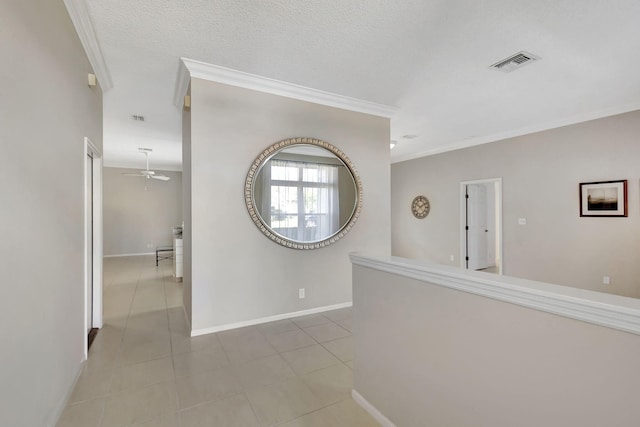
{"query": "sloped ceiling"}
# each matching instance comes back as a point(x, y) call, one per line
point(429, 58)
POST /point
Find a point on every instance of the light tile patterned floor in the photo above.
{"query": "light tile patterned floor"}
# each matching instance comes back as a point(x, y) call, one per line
point(145, 370)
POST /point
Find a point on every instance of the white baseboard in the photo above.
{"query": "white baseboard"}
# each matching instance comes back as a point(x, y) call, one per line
point(123, 255)
point(372, 410)
point(55, 417)
point(213, 329)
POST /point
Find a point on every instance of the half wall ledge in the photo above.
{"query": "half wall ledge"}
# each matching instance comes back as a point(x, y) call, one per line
point(612, 311)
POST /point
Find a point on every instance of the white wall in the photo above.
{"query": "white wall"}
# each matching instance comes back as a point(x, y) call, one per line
point(237, 273)
point(46, 110)
point(139, 212)
point(428, 355)
point(540, 176)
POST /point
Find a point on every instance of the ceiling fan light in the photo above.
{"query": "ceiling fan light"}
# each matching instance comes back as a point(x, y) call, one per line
point(147, 173)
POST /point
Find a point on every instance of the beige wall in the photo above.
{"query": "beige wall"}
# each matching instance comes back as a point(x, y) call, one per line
point(139, 212)
point(46, 111)
point(540, 175)
point(237, 273)
point(426, 355)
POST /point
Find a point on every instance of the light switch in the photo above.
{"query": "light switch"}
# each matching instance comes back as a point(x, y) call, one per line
point(522, 221)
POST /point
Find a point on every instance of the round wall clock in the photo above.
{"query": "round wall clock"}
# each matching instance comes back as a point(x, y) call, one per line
point(420, 207)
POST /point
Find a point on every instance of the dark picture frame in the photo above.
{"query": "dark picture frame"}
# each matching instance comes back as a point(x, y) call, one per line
point(603, 199)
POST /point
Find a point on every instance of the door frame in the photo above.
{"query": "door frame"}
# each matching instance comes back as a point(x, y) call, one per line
point(463, 221)
point(91, 150)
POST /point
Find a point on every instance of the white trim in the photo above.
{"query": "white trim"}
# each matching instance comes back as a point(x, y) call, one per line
point(79, 15)
point(201, 70)
point(123, 255)
point(612, 311)
point(213, 329)
point(62, 404)
point(182, 84)
point(372, 410)
point(471, 142)
point(463, 252)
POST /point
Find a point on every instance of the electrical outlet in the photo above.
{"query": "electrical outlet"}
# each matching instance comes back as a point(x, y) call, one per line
point(149, 246)
point(522, 221)
point(301, 293)
point(606, 280)
point(452, 258)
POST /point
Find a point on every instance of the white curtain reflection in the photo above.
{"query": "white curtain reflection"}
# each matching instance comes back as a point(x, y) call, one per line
point(303, 200)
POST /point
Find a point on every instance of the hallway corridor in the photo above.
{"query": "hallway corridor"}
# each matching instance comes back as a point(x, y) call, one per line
point(145, 370)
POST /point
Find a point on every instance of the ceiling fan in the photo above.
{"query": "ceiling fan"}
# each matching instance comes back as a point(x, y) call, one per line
point(148, 173)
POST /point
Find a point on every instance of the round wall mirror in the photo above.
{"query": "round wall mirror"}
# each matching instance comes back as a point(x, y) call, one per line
point(303, 193)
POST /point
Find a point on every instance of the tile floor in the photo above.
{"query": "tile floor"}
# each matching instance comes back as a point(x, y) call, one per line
point(145, 370)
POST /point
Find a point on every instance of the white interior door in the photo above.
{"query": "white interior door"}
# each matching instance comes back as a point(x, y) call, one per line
point(89, 245)
point(477, 229)
point(481, 224)
point(492, 224)
point(93, 240)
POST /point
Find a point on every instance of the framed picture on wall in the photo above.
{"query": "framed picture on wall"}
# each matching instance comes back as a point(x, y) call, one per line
point(604, 198)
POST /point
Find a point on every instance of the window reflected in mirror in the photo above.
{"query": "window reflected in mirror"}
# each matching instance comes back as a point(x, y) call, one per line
point(304, 193)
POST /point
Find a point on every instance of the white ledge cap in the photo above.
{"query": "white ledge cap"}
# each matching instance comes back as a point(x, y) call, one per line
point(612, 311)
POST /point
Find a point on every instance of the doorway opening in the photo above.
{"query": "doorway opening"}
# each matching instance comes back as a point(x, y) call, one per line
point(92, 242)
point(481, 225)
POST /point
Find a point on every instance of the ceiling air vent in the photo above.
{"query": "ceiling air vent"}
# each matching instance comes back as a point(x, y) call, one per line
point(514, 62)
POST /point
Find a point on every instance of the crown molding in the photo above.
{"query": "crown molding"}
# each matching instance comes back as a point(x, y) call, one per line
point(472, 142)
point(190, 68)
point(183, 78)
point(611, 311)
point(79, 15)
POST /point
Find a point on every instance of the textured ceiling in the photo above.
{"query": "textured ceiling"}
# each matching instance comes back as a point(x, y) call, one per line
point(430, 58)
